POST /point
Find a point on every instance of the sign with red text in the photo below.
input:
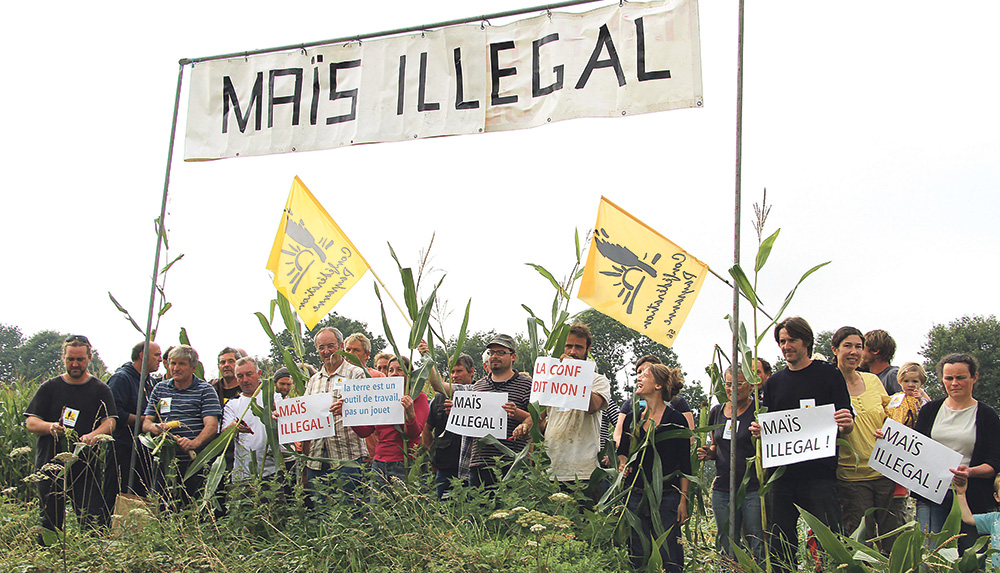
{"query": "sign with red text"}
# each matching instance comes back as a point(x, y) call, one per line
point(372, 401)
point(792, 436)
point(914, 461)
point(562, 383)
point(304, 418)
point(478, 414)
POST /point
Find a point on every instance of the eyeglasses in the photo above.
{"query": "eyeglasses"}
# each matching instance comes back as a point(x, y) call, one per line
point(498, 352)
point(78, 338)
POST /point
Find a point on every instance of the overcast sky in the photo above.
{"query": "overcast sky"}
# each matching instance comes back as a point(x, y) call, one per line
point(874, 128)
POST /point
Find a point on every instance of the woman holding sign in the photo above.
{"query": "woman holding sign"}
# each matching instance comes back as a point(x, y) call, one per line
point(395, 445)
point(861, 487)
point(968, 427)
point(644, 442)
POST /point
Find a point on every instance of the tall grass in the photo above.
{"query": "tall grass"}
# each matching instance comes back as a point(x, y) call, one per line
point(15, 462)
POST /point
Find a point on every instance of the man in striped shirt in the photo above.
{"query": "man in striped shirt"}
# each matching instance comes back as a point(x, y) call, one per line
point(191, 401)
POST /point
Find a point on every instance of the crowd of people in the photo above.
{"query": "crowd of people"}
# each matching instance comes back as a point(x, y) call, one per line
point(652, 432)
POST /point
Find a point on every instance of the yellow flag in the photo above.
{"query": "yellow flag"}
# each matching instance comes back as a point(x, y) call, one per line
point(638, 277)
point(313, 261)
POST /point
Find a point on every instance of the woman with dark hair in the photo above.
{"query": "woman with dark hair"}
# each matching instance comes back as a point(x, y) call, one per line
point(970, 428)
point(861, 487)
point(643, 443)
point(396, 443)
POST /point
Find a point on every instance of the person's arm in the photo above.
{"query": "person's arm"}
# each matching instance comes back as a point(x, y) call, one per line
point(514, 412)
point(597, 403)
point(443, 386)
point(682, 507)
point(106, 426)
point(149, 425)
point(414, 415)
point(40, 427)
point(618, 429)
point(961, 482)
point(426, 438)
point(207, 433)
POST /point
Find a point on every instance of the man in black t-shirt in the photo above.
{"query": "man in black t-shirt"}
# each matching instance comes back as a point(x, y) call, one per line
point(445, 446)
point(72, 407)
point(812, 484)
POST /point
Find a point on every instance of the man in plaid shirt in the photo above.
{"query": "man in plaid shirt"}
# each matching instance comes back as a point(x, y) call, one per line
point(344, 445)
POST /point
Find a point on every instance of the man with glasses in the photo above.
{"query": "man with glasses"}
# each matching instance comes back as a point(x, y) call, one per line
point(501, 377)
point(72, 407)
point(344, 445)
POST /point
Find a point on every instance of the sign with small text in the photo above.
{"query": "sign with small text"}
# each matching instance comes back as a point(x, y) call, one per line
point(372, 401)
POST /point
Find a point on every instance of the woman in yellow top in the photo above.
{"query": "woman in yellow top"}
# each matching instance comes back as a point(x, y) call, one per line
point(861, 487)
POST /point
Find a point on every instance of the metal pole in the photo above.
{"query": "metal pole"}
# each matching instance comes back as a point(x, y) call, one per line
point(421, 28)
point(736, 292)
point(160, 232)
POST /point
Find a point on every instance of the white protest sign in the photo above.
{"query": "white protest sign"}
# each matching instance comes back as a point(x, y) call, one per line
point(304, 418)
point(792, 436)
point(914, 461)
point(562, 383)
point(478, 414)
point(373, 401)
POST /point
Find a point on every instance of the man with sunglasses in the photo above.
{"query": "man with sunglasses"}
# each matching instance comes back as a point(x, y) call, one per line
point(72, 407)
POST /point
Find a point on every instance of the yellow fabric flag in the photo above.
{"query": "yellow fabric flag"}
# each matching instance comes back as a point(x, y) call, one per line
point(639, 277)
point(313, 262)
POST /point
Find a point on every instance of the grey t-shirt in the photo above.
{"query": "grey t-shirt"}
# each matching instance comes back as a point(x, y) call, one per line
point(888, 378)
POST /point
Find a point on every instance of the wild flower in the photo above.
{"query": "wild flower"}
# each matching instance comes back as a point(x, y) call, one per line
point(499, 515)
point(50, 467)
point(22, 451)
point(537, 528)
point(519, 509)
point(532, 543)
point(35, 478)
point(9, 491)
point(560, 497)
point(100, 438)
point(65, 457)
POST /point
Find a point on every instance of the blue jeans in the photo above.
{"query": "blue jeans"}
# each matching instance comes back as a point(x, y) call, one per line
point(931, 517)
point(349, 478)
point(386, 470)
point(443, 481)
point(747, 522)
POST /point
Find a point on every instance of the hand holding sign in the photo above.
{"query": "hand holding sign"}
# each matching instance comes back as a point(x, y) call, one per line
point(304, 418)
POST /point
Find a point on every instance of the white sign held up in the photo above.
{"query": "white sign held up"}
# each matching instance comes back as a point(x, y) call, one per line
point(372, 401)
point(562, 383)
point(792, 436)
point(478, 414)
point(304, 418)
point(914, 461)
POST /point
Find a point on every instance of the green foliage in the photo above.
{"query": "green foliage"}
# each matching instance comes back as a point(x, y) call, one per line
point(37, 357)
point(974, 334)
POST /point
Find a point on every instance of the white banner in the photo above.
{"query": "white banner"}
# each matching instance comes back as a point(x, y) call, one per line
point(304, 418)
point(478, 414)
point(609, 62)
point(372, 401)
point(914, 461)
point(792, 436)
point(562, 383)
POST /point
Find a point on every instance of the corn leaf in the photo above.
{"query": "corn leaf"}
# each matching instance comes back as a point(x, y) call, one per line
point(297, 376)
point(126, 313)
point(291, 325)
point(218, 445)
point(555, 284)
point(744, 285)
point(788, 300)
point(171, 263)
point(833, 547)
point(164, 310)
point(764, 251)
point(460, 342)
point(199, 369)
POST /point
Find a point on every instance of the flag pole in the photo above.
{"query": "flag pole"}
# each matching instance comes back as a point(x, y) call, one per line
point(388, 292)
point(160, 233)
point(736, 291)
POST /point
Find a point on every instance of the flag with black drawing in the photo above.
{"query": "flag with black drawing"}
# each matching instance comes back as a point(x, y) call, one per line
point(639, 277)
point(313, 262)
